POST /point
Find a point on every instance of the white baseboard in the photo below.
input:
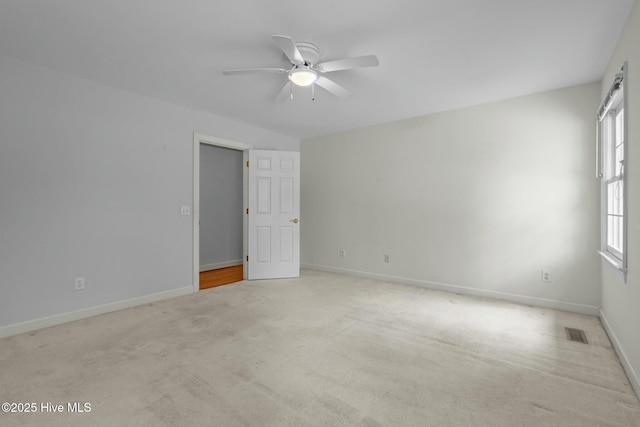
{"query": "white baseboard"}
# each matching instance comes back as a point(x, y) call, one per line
point(45, 322)
point(634, 379)
point(504, 296)
point(208, 267)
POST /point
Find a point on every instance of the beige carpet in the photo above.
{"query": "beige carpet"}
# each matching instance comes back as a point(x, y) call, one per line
point(320, 350)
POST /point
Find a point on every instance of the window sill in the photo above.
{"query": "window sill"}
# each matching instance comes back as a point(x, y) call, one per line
point(615, 263)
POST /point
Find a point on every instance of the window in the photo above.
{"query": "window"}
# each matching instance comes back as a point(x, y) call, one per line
point(613, 185)
point(611, 165)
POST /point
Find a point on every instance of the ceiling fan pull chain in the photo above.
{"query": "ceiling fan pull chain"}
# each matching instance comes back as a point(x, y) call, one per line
point(313, 92)
point(291, 90)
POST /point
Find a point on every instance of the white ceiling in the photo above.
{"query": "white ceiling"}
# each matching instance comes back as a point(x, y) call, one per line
point(435, 55)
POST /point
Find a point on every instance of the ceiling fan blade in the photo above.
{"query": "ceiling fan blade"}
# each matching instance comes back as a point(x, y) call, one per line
point(289, 48)
point(332, 87)
point(253, 71)
point(348, 63)
point(285, 93)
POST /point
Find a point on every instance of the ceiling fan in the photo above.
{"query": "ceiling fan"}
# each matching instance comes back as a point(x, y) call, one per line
point(305, 69)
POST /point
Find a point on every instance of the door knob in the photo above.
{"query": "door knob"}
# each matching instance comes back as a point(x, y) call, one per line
point(295, 221)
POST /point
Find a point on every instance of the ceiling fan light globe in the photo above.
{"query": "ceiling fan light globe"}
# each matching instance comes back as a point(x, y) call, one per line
point(304, 77)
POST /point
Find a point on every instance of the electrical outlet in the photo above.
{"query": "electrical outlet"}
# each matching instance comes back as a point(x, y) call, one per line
point(545, 276)
point(343, 253)
point(386, 258)
point(79, 283)
point(185, 210)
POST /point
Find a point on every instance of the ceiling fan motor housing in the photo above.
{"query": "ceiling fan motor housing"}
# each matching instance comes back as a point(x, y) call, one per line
point(309, 51)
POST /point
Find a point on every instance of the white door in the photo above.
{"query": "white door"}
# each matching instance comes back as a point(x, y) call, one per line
point(274, 214)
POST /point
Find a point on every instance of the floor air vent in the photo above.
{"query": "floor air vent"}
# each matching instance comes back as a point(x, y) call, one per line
point(576, 335)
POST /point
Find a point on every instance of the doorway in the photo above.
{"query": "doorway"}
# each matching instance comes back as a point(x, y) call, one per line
point(223, 259)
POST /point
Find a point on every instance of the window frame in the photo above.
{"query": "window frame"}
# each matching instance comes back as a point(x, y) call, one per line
point(613, 176)
point(608, 171)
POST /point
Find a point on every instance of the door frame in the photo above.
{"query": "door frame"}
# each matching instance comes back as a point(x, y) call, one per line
point(199, 139)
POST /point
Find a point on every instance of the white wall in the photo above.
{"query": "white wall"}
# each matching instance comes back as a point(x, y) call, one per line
point(481, 198)
point(91, 183)
point(221, 216)
point(621, 301)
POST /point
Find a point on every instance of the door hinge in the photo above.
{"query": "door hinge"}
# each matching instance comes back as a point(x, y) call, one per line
point(247, 257)
point(247, 163)
point(247, 211)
